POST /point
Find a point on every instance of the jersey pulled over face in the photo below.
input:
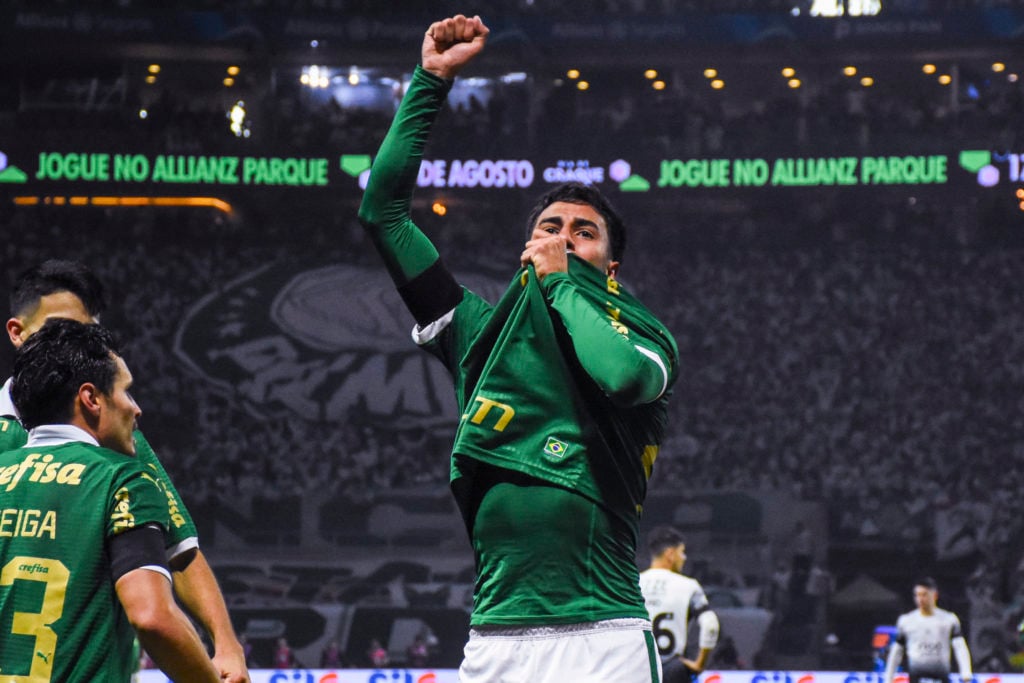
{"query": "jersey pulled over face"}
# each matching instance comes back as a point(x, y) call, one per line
point(583, 229)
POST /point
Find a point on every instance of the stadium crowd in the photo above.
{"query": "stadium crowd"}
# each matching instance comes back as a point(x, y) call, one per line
point(858, 350)
point(902, 112)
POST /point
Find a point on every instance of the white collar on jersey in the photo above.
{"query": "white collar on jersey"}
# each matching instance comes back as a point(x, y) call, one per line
point(6, 404)
point(56, 435)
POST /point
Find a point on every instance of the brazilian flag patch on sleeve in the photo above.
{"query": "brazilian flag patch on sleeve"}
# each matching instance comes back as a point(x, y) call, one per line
point(555, 449)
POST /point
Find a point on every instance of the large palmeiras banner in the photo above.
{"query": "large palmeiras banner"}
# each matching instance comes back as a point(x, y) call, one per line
point(319, 343)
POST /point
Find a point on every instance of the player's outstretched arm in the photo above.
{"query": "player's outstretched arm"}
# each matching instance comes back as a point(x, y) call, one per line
point(451, 43)
point(163, 629)
point(428, 289)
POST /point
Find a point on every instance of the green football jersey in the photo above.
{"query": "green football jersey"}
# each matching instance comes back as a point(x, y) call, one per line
point(182, 529)
point(563, 553)
point(528, 400)
point(60, 618)
point(12, 434)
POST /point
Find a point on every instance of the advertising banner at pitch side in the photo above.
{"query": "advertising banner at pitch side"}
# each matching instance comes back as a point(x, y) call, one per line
point(451, 676)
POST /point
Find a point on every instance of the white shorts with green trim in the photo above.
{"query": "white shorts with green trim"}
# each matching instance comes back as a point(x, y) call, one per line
point(610, 651)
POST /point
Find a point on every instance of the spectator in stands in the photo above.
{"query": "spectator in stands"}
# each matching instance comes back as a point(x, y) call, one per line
point(284, 658)
point(331, 657)
point(377, 655)
point(418, 652)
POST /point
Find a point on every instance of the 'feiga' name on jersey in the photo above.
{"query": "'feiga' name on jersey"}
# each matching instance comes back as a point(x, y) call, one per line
point(28, 523)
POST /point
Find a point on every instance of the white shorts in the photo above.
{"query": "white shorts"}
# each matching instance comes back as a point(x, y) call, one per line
point(610, 651)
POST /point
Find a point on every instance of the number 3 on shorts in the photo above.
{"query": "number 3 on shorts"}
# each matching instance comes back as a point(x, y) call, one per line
point(55, 575)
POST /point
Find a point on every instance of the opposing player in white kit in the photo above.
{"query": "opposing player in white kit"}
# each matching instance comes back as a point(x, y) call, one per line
point(927, 635)
point(673, 600)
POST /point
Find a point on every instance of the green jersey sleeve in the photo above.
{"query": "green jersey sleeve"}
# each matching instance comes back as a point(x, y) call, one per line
point(628, 371)
point(12, 434)
point(181, 531)
point(137, 499)
point(384, 211)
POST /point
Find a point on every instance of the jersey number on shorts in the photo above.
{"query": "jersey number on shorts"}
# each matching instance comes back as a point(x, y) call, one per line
point(664, 637)
point(55, 575)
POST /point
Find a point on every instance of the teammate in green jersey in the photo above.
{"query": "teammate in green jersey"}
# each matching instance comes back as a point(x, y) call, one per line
point(562, 386)
point(68, 289)
point(82, 525)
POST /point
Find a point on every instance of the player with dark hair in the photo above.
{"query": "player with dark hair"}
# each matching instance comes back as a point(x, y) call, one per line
point(67, 286)
point(82, 553)
point(69, 290)
point(673, 601)
point(926, 635)
point(562, 384)
point(577, 193)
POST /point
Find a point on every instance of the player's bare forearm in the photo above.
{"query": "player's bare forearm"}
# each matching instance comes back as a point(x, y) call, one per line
point(196, 587)
point(451, 43)
point(164, 631)
point(697, 665)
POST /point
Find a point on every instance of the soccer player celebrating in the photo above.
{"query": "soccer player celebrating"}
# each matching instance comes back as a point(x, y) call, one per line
point(67, 289)
point(562, 386)
point(83, 544)
point(926, 635)
point(673, 600)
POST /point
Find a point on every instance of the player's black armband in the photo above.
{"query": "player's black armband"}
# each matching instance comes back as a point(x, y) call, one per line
point(139, 547)
point(431, 294)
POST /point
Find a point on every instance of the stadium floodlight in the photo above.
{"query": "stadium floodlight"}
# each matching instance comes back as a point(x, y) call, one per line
point(315, 76)
point(237, 118)
point(839, 8)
